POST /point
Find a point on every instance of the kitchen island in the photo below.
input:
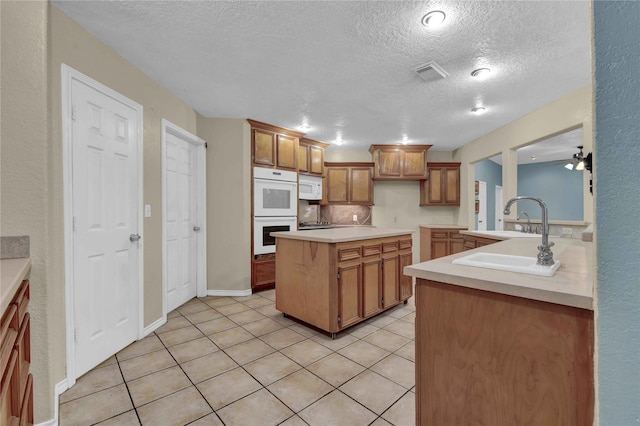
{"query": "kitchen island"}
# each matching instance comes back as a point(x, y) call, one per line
point(335, 278)
point(497, 347)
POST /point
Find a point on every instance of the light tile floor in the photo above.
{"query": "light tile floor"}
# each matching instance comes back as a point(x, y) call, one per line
point(239, 361)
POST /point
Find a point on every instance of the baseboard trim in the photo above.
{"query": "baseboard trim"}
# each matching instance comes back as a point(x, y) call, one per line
point(154, 326)
point(58, 390)
point(229, 293)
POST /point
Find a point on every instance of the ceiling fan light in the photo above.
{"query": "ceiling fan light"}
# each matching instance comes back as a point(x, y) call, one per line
point(580, 165)
point(568, 166)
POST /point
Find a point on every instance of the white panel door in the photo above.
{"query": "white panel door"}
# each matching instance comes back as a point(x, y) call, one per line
point(482, 214)
point(105, 215)
point(499, 209)
point(181, 222)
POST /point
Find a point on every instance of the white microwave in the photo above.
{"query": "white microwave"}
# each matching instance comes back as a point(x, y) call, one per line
point(275, 192)
point(310, 187)
point(263, 242)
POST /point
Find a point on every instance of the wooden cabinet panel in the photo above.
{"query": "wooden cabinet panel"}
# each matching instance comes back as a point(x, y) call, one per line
point(371, 286)
point(349, 295)
point(303, 158)
point(286, 152)
point(337, 184)
point(263, 148)
point(274, 146)
point(406, 282)
point(316, 160)
point(263, 273)
point(388, 163)
point(16, 406)
point(439, 248)
point(348, 183)
point(317, 287)
point(311, 157)
point(399, 162)
point(442, 187)
point(532, 361)
point(361, 186)
point(390, 284)
point(440, 242)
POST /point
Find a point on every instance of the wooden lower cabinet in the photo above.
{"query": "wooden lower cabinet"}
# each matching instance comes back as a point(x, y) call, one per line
point(16, 383)
point(472, 241)
point(493, 359)
point(440, 242)
point(263, 273)
point(335, 285)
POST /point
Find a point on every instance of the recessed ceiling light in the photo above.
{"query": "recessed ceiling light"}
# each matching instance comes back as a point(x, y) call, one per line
point(405, 140)
point(478, 110)
point(433, 18)
point(480, 72)
point(533, 158)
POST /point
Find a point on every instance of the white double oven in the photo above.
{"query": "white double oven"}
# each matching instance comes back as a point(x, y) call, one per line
point(275, 206)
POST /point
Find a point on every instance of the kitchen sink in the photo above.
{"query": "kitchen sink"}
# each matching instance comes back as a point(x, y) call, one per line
point(507, 262)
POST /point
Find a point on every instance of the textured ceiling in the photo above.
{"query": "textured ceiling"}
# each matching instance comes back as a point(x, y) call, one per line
point(345, 67)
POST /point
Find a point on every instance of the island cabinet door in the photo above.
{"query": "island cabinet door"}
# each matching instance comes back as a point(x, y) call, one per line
point(406, 282)
point(349, 279)
point(372, 286)
point(390, 284)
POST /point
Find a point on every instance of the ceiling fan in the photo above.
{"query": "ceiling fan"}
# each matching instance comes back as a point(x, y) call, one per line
point(579, 161)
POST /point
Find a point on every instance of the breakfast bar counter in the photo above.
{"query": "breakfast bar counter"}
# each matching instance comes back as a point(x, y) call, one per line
point(498, 347)
point(335, 278)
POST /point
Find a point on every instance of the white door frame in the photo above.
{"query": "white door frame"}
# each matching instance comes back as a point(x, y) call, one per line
point(499, 220)
point(201, 207)
point(482, 198)
point(68, 75)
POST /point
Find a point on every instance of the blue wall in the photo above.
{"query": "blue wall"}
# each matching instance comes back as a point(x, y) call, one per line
point(617, 216)
point(559, 188)
point(489, 172)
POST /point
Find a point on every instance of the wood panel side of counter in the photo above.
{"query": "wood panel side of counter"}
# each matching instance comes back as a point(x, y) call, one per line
point(302, 287)
point(487, 358)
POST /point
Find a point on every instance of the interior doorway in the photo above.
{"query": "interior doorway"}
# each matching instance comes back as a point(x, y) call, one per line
point(184, 216)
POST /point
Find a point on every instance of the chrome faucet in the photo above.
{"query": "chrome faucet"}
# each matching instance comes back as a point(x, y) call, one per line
point(528, 227)
point(545, 255)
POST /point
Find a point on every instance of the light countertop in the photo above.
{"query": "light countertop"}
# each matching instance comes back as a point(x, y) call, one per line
point(12, 272)
point(572, 284)
point(341, 235)
point(441, 226)
point(502, 235)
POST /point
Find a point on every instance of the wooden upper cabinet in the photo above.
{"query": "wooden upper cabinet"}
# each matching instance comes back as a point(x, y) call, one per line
point(311, 157)
point(399, 162)
point(348, 183)
point(442, 187)
point(274, 146)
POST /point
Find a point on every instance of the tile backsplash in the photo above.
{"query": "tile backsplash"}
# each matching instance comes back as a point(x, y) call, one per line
point(343, 215)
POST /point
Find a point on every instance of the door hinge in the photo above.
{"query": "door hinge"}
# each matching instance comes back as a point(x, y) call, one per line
point(75, 335)
point(206, 146)
point(75, 224)
point(338, 274)
point(73, 113)
point(338, 318)
point(382, 265)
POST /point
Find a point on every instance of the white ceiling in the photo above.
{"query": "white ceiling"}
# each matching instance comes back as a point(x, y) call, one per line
point(556, 148)
point(345, 67)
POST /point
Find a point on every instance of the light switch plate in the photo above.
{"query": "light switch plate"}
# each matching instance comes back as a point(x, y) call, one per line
point(147, 210)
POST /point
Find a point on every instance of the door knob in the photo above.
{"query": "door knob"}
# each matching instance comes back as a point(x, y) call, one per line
point(196, 228)
point(134, 237)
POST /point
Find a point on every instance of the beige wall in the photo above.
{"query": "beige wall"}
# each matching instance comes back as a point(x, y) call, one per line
point(228, 203)
point(569, 112)
point(25, 181)
point(36, 39)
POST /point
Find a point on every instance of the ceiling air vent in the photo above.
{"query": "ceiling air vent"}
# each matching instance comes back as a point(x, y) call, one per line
point(431, 72)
